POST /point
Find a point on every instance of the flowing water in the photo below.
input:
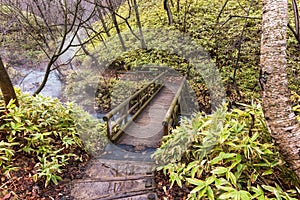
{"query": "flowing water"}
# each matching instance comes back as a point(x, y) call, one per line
point(32, 79)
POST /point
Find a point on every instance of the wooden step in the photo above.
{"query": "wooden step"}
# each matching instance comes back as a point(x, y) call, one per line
point(116, 179)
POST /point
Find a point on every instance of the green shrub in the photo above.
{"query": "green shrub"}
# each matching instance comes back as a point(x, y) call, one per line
point(226, 155)
point(44, 129)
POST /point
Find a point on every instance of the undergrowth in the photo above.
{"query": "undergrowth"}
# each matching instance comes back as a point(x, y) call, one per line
point(226, 155)
point(47, 131)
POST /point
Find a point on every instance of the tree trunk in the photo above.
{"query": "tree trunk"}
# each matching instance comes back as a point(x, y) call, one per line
point(136, 9)
point(100, 10)
point(115, 22)
point(6, 86)
point(284, 128)
point(178, 6)
point(169, 12)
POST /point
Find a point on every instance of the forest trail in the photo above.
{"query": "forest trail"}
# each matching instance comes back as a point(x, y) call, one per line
point(125, 170)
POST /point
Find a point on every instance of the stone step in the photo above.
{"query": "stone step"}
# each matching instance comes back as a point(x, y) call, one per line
point(116, 179)
point(116, 168)
point(111, 189)
point(126, 152)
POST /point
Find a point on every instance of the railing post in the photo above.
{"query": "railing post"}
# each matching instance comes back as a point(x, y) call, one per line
point(175, 115)
point(123, 113)
point(108, 129)
point(166, 128)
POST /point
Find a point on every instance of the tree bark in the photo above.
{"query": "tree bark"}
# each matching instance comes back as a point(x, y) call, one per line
point(115, 22)
point(136, 9)
point(169, 12)
point(6, 86)
point(283, 126)
point(101, 17)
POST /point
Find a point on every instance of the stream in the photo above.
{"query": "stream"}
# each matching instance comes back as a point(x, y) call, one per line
point(32, 78)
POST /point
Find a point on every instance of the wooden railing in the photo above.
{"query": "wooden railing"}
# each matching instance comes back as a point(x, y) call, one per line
point(120, 117)
point(171, 118)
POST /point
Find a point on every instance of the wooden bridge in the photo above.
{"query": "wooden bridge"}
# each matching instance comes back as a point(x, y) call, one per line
point(140, 122)
point(142, 119)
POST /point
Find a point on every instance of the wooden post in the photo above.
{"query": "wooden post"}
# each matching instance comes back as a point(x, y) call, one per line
point(108, 129)
point(166, 128)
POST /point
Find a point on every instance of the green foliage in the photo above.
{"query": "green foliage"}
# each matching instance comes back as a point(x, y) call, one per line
point(295, 98)
point(231, 37)
point(220, 35)
point(123, 89)
point(44, 129)
point(92, 133)
point(99, 92)
point(86, 88)
point(142, 57)
point(226, 155)
point(103, 94)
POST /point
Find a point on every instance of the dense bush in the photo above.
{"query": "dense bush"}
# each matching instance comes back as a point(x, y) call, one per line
point(227, 155)
point(47, 131)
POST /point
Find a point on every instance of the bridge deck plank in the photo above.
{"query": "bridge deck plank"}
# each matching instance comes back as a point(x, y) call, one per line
point(147, 129)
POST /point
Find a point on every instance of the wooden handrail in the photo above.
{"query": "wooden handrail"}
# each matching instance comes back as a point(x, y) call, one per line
point(124, 104)
point(173, 109)
point(113, 138)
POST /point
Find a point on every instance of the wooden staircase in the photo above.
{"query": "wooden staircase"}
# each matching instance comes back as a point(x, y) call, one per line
point(118, 178)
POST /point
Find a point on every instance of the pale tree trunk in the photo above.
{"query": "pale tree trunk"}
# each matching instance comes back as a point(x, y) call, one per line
point(284, 128)
point(6, 86)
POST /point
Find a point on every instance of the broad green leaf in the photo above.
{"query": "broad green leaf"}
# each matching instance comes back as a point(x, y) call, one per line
point(229, 155)
point(227, 189)
point(268, 172)
point(254, 176)
point(219, 170)
point(210, 180)
point(198, 188)
point(227, 195)
point(195, 181)
point(254, 137)
point(222, 156)
point(258, 191)
point(273, 190)
point(244, 195)
point(216, 160)
point(210, 193)
point(219, 182)
point(238, 159)
point(202, 192)
point(35, 177)
point(231, 177)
